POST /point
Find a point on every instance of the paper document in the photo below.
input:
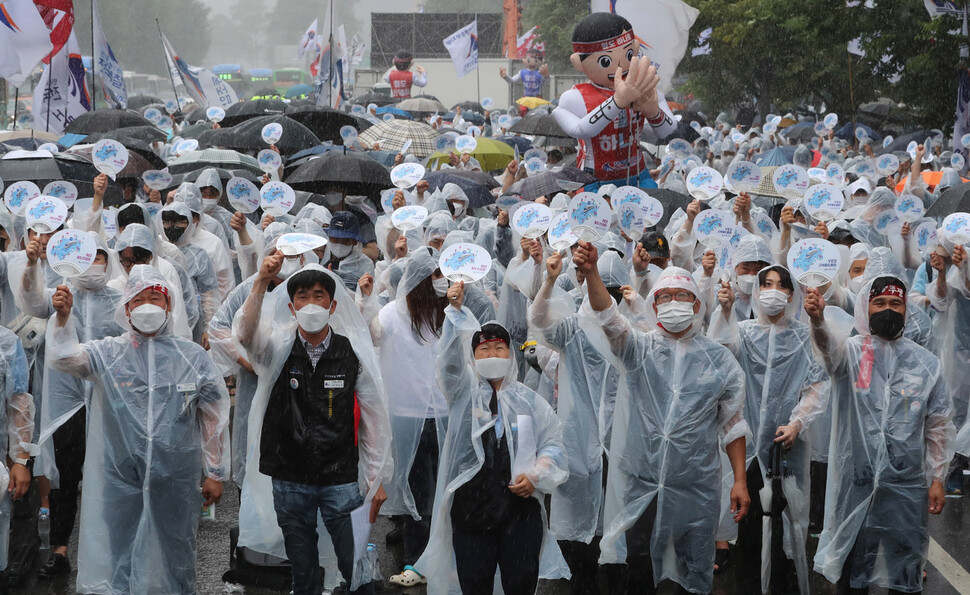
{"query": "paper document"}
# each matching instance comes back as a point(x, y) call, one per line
point(525, 447)
point(360, 522)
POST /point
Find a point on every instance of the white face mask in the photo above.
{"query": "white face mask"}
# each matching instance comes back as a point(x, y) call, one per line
point(493, 368)
point(746, 283)
point(96, 277)
point(312, 318)
point(458, 207)
point(440, 286)
point(209, 204)
point(675, 316)
point(773, 301)
point(340, 250)
point(147, 318)
point(289, 267)
point(855, 284)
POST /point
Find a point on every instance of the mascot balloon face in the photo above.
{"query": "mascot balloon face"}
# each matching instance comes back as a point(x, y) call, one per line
point(403, 59)
point(602, 43)
point(533, 59)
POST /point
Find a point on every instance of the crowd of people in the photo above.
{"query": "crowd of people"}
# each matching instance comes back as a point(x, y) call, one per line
point(637, 406)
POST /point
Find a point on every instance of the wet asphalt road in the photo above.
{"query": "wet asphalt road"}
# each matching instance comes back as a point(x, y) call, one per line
point(950, 530)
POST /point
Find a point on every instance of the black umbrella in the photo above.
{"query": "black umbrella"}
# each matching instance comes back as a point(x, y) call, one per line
point(196, 115)
point(352, 173)
point(671, 201)
point(145, 134)
point(903, 141)
point(61, 166)
point(106, 120)
point(476, 185)
point(195, 130)
point(375, 98)
point(520, 142)
point(953, 200)
point(325, 122)
point(30, 143)
point(224, 175)
point(547, 182)
point(137, 102)
point(215, 137)
point(244, 110)
point(692, 116)
point(803, 132)
point(683, 131)
point(470, 106)
point(248, 135)
point(539, 125)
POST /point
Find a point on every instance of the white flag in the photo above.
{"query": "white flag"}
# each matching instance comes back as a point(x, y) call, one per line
point(62, 93)
point(938, 8)
point(463, 47)
point(855, 47)
point(703, 43)
point(24, 40)
point(308, 40)
point(663, 27)
point(203, 86)
point(107, 67)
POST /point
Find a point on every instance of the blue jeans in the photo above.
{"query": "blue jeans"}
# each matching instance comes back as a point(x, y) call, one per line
point(296, 513)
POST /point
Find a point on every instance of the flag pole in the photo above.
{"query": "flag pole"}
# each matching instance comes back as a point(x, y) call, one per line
point(15, 102)
point(330, 59)
point(94, 62)
point(478, 69)
point(852, 101)
point(50, 73)
point(165, 51)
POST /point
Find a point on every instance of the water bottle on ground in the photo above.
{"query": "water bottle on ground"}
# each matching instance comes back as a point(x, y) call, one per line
point(44, 532)
point(373, 562)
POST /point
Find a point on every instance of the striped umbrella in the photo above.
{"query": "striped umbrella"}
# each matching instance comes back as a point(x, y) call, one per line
point(392, 135)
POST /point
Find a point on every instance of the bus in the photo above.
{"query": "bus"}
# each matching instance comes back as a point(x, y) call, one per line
point(233, 74)
point(284, 78)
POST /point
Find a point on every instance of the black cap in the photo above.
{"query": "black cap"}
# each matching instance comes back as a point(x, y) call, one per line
point(656, 245)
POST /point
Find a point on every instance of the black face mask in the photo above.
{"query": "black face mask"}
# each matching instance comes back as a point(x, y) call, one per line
point(887, 324)
point(174, 233)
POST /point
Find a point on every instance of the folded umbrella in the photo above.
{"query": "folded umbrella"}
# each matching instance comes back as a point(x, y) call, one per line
point(393, 134)
point(476, 185)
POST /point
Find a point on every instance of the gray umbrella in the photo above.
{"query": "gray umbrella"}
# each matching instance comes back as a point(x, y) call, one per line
point(953, 200)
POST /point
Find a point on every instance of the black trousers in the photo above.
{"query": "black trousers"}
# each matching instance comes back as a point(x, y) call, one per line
point(747, 555)
point(421, 480)
point(513, 547)
point(69, 444)
point(639, 565)
point(843, 588)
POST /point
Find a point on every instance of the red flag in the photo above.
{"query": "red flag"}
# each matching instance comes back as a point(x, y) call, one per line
point(59, 17)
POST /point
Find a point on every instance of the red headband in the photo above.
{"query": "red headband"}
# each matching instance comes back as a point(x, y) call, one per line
point(591, 47)
point(890, 289)
point(160, 289)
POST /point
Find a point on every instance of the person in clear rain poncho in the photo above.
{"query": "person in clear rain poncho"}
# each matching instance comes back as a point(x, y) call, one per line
point(786, 391)
point(157, 422)
point(680, 394)
point(17, 421)
point(192, 233)
point(331, 463)
point(587, 389)
point(406, 332)
point(891, 434)
point(62, 457)
point(502, 453)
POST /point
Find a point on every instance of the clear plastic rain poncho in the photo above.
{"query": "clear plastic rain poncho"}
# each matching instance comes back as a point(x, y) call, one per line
point(882, 199)
point(16, 421)
point(185, 303)
point(784, 386)
point(157, 421)
point(216, 218)
point(751, 248)
point(587, 386)
point(919, 325)
point(677, 400)
point(194, 235)
point(408, 360)
point(190, 193)
point(225, 353)
point(463, 454)
point(891, 437)
point(93, 298)
point(951, 324)
point(272, 342)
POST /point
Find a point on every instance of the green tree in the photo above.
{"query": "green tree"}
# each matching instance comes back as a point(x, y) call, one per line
point(131, 31)
point(771, 54)
point(556, 20)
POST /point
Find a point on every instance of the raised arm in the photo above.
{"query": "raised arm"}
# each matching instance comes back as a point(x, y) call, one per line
point(63, 351)
point(454, 373)
point(252, 308)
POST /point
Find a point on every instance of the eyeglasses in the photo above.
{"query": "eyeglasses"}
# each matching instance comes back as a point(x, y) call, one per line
point(127, 262)
point(680, 296)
